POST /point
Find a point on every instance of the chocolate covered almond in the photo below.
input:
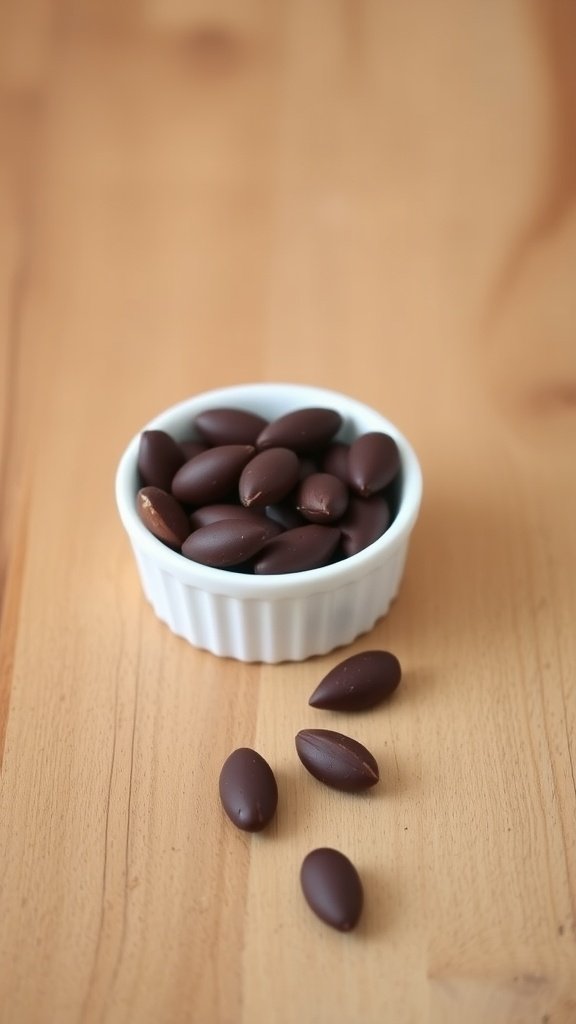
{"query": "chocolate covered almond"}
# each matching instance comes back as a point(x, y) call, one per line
point(303, 430)
point(225, 543)
point(268, 477)
point(159, 457)
point(229, 426)
point(322, 498)
point(210, 476)
point(332, 888)
point(373, 462)
point(337, 760)
point(306, 547)
point(163, 516)
point(248, 790)
point(361, 681)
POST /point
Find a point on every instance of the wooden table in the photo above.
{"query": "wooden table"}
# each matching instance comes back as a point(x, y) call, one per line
point(374, 197)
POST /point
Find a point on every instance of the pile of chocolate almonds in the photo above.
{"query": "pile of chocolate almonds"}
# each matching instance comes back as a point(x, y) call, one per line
point(249, 792)
point(267, 497)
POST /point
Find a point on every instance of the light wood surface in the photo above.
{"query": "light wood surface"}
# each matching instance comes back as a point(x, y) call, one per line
point(377, 197)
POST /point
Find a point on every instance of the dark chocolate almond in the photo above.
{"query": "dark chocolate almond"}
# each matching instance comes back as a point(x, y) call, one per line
point(337, 760)
point(332, 888)
point(207, 514)
point(229, 426)
point(248, 790)
point(268, 477)
point(373, 462)
point(306, 547)
point(335, 460)
point(364, 521)
point(210, 476)
point(227, 542)
point(159, 457)
point(303, 430)
point(163, 516)
point(285, 515)
point(359, 682)
point(322, 498)
point(190, 449)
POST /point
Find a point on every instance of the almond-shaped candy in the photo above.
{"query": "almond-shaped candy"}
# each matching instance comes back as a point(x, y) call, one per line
point(159, 457)
point(268, 477)
point(248, 790)
point(322, 498)
point(163, 516)
point(306, 547)
point(229, 426)
point(285, 515)
point(190, 449)
point(359, 682)
point(303, 430)
point(212, 475)
point(225, 543)
point(335, 460)
point(364, 521)
point(332, 888)
point(337, 760)
point(207, 514)
point(373, 462)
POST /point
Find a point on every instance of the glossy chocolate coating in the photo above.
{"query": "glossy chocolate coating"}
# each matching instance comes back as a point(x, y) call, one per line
point(337, 760)
point(207, 514)
point(332, 888)
point(322, 498)
point(303, 430)
point(335, 460)
point(248, 790)
point(163, 516)
point(159, 458)
point(227, 542)
point(229, 426)
point(190, 449)
point(285, 515)
point(306, 547)
point(359, 682)
point(268, 477)
point(364, 521)
point(373, 462)
point(210, 476)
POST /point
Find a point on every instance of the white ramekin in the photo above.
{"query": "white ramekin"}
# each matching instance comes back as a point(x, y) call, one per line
point(282, 617)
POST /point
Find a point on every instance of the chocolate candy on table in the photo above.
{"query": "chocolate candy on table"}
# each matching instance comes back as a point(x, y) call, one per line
point(332, 888)
point(361, 681)
point(210, 476)
point(268, 477)
point(163, 516)
point(373, 462)
point(306, 547)
point(229, 426)
point(322, 498)
point(248, 790)
point(159, 457)
point(337, 760)
point(364, 521)
point(225, 543)
point(304, 430)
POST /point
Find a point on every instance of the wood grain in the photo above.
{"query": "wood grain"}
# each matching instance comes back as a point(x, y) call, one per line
point(373, 197)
